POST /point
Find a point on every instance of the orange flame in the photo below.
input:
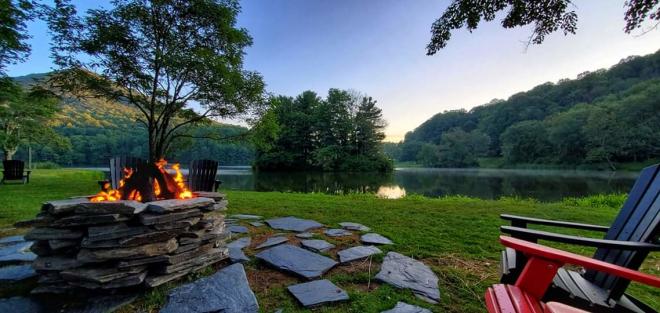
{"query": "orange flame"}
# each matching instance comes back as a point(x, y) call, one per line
point(109, 194)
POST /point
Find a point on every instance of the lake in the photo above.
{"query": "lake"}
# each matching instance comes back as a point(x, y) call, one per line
point(544, 185)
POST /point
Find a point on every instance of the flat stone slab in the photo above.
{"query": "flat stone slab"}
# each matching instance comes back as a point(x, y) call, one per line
point(17, 252)
point(356, 253)
point(239, 243)
point(317, 292)
point(236, 255)
point(15, 273)
point(102, 304)
point(354, 226)
point(337, 232)
point(21, 304)
point(402, 307)
point(246, 217)
point(403, 272)
point(172, 205)
point(126, 207)
point(316, 245)
point(11, 240)
point(373, 238)
point(293, 224)
point(257, 224)
point(236, 229)
point(226, 291)
point(297, 260)
point(305, 235)
point(63, 206)
point(272, 241)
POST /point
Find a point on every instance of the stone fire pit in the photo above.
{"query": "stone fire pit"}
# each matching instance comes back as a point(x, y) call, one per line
point(102, 246)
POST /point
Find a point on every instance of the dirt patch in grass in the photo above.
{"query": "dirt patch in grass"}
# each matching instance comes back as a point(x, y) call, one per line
point(262, 279)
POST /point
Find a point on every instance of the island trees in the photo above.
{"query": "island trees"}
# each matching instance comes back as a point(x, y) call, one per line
point(166, 58)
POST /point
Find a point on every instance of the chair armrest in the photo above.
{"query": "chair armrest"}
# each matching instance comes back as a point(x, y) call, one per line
point(582, 241)
point(522, 221)
point(533, 250)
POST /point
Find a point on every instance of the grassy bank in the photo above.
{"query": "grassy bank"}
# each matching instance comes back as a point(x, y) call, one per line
point(456, 236)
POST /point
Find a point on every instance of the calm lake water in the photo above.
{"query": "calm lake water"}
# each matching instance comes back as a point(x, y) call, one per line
point(544, 185)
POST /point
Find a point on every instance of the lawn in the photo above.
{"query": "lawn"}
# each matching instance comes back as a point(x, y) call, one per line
point(456, 236)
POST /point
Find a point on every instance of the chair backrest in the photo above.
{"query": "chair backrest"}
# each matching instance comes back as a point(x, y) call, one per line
point(117, 165)
point(201, 175)
point(638, 220)
point(13, 169)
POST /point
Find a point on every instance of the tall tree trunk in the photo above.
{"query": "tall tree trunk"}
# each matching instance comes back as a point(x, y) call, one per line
point(8, 154)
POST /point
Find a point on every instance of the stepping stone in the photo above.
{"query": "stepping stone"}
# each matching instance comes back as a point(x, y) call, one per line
point(354, 226)
point(238, 229)
point(257, 224)
point(317, 292)
point(337, 232)
point(11, 240)
point(297, 260)
point(226, 291)
point(305, 235)
point(14, 273)
point(376, 239)
point(246, 217)
point(103, 304)
point(239, 243)
point(356, 253)
point(22, 304)
point(236, 255)
point(402, 307)
point(17, 253)
point(317, 245)
point(272, 241)
point(403, 272)
point(293, 224)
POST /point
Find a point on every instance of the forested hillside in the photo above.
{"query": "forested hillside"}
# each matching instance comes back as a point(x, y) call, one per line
point(95, 130)
point(607, 117)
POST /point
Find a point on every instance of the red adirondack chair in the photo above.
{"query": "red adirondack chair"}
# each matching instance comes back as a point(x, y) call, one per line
point(537, 275)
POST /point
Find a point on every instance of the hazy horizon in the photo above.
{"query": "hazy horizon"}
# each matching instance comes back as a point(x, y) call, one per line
point(378, 48)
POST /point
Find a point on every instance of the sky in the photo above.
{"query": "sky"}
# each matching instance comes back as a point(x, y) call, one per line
point(377, 47)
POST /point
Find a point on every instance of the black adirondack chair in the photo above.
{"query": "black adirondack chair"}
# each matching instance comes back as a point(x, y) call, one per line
point(201, 175)
point(117, 165)
point(627, 242)
point(15, 170)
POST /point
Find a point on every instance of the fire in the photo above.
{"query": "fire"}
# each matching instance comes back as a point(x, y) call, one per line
point(109, 194)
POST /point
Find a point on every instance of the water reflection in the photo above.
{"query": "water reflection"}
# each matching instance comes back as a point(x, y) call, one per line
point(480, 183)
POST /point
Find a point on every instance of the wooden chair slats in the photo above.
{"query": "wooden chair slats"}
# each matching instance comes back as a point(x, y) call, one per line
point(117, 165)
point(202, 175)
point(15, 170)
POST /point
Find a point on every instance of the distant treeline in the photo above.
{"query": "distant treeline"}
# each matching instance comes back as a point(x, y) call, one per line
point(342, 132)
point(602, 117)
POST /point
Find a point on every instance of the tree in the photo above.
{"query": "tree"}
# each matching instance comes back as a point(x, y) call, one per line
point(462, 149)
point(369, 126)
point(25, 117)
point(428, 155)
point(525, 142)
point(163, 57)
point(547, 16)
point(14, 14)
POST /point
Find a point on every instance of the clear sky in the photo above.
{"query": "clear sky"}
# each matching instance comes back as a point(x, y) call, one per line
point(378, 47)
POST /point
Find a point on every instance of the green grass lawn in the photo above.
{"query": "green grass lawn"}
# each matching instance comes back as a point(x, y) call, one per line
point(456, 236)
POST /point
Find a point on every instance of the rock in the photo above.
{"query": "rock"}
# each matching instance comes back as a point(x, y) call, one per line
point(55, 263)
point(403, 272)
point(305, 235)
point(17, 252)
point(297, 260)
point(124, 207)
point(46, 233)
point(402, 307)
point(143, 261)
point(356, 253)
point(354, 226)
point(246, 217)
point(210, 194)
point(63, 206)
point(236, 255)
point(373, 238)
point(103, 304)
point(83, 220)
point(238, 229)
point(257, 224)
point(316, 245)
point(272, 241)
point(43, 219)
point(142, 239)
point(212, 256)
point(220, 205)
point(189, 255)
point(317, 292)
point(22, 305)
point(60, 244)
point(151, 219)
point(293, 224)
point(100, 275)
point(226, 291)
point(337, 232)
point(152, 249)
point(239, 243)
point(173, 205)
point(15, 273)
point(97, 233)
point(11, 240)
point(178, 225)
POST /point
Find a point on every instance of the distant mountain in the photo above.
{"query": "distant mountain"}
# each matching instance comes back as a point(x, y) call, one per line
point(538, 118)
point(98, 129)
